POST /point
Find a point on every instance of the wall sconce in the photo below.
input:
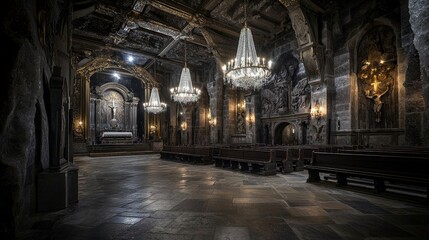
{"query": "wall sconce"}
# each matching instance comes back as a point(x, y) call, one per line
point(152, 128)
point(212, 121)
point(184, 126)
point(241, 106)
point(316, 111)
point(250, 119)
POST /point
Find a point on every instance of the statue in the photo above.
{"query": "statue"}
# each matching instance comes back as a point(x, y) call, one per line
point(113, 121)
point(377, 102)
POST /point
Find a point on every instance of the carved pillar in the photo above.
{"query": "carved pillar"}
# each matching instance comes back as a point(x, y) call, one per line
point(312, 54)
point(127, 124)
point(98, 119)
point(250, 119)
point(92, 119)
point(146, 114)
point(134, 107)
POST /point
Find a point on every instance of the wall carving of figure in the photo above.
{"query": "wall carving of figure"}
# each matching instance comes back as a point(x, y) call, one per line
point(276, 94)
point(241, 123)
point(301, 96)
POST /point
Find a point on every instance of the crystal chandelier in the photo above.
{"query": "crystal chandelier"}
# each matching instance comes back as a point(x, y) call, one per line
point(247, 71)
point(185, 93)
point(154, 105)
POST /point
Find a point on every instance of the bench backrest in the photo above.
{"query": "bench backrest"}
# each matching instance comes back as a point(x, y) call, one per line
point(384, 164)
point(380, 152)
point(255, 155)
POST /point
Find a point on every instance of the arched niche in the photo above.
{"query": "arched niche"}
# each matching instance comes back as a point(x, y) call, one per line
point(394, 100)
point(285, 134)
point(377, 95)
point(81, 88)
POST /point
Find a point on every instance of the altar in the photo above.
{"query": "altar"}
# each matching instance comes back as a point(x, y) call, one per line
point(116, 137)
point(113, 111)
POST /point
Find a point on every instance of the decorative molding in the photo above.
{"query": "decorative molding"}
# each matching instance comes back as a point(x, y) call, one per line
point(103, 62)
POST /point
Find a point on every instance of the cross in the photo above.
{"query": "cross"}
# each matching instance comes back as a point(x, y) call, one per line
point(375, 84)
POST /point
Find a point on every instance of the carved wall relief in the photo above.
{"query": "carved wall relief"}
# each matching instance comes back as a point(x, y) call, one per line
point(276, 95)
point(241, 117)
point(378, 104)
point(301, 97)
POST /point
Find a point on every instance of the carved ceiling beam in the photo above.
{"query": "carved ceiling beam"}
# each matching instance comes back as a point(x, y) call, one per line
point(129, 22)
point(185, 32)
point(136, 52)
point(209, 5)
point(139, 6)
point(190, 16)
point(173, 8)
point(106, 10)
point(211, 45)
point(158, 27)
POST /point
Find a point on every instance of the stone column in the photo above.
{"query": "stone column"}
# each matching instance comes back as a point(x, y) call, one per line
point(56, 92)
point(98, 120)
point(127, 121)
point(92, 119)
point(134, 107)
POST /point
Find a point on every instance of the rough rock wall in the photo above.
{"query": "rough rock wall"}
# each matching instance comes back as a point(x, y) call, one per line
point(27, 35)
point(419, 20)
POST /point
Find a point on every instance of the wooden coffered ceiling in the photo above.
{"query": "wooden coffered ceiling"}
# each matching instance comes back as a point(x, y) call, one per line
point(155, 29)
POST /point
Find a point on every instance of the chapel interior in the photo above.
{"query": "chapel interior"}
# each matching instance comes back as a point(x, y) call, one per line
point(214, 119)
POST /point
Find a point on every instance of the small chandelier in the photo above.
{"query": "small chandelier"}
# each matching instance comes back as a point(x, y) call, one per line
point(185, 93)
point(247, 71)
point(154, 105)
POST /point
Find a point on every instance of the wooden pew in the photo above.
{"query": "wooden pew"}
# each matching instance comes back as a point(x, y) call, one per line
point(191, 154)
point(379, 168)
point(383, 152)
point(257, 161)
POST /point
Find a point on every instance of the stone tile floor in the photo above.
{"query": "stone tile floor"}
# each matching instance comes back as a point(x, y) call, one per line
point(144, 197)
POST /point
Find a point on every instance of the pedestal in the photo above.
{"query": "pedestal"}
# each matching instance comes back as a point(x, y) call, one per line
point(156, 146)
point(57, 189)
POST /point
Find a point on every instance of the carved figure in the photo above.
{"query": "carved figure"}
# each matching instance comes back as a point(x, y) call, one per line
point(301, 96)
point(377, 103)
point(318, 132)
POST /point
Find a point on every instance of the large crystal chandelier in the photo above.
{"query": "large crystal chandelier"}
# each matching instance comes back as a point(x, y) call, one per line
point(154, 105)
point(185, 93)
point(247, 70)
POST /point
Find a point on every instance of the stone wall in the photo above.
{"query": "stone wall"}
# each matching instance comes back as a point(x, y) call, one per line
point(419, 19)
point(352, 20)
point(34, 40)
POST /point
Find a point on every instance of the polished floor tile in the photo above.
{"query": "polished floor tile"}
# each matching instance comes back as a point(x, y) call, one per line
point(144, 197)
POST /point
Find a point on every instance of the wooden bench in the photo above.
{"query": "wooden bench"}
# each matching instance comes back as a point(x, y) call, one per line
point(191, 154)
point(255, 161)
point(383, 152)
point(379, 168)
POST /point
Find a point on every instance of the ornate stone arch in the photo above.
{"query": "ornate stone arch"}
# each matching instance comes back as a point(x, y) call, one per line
point(102, 63)
point(81, 86)
point(311, 52)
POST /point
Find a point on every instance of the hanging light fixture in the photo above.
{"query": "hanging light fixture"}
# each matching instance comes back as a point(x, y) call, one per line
point(185, 93)
point(154, 105)
point(247, 70)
